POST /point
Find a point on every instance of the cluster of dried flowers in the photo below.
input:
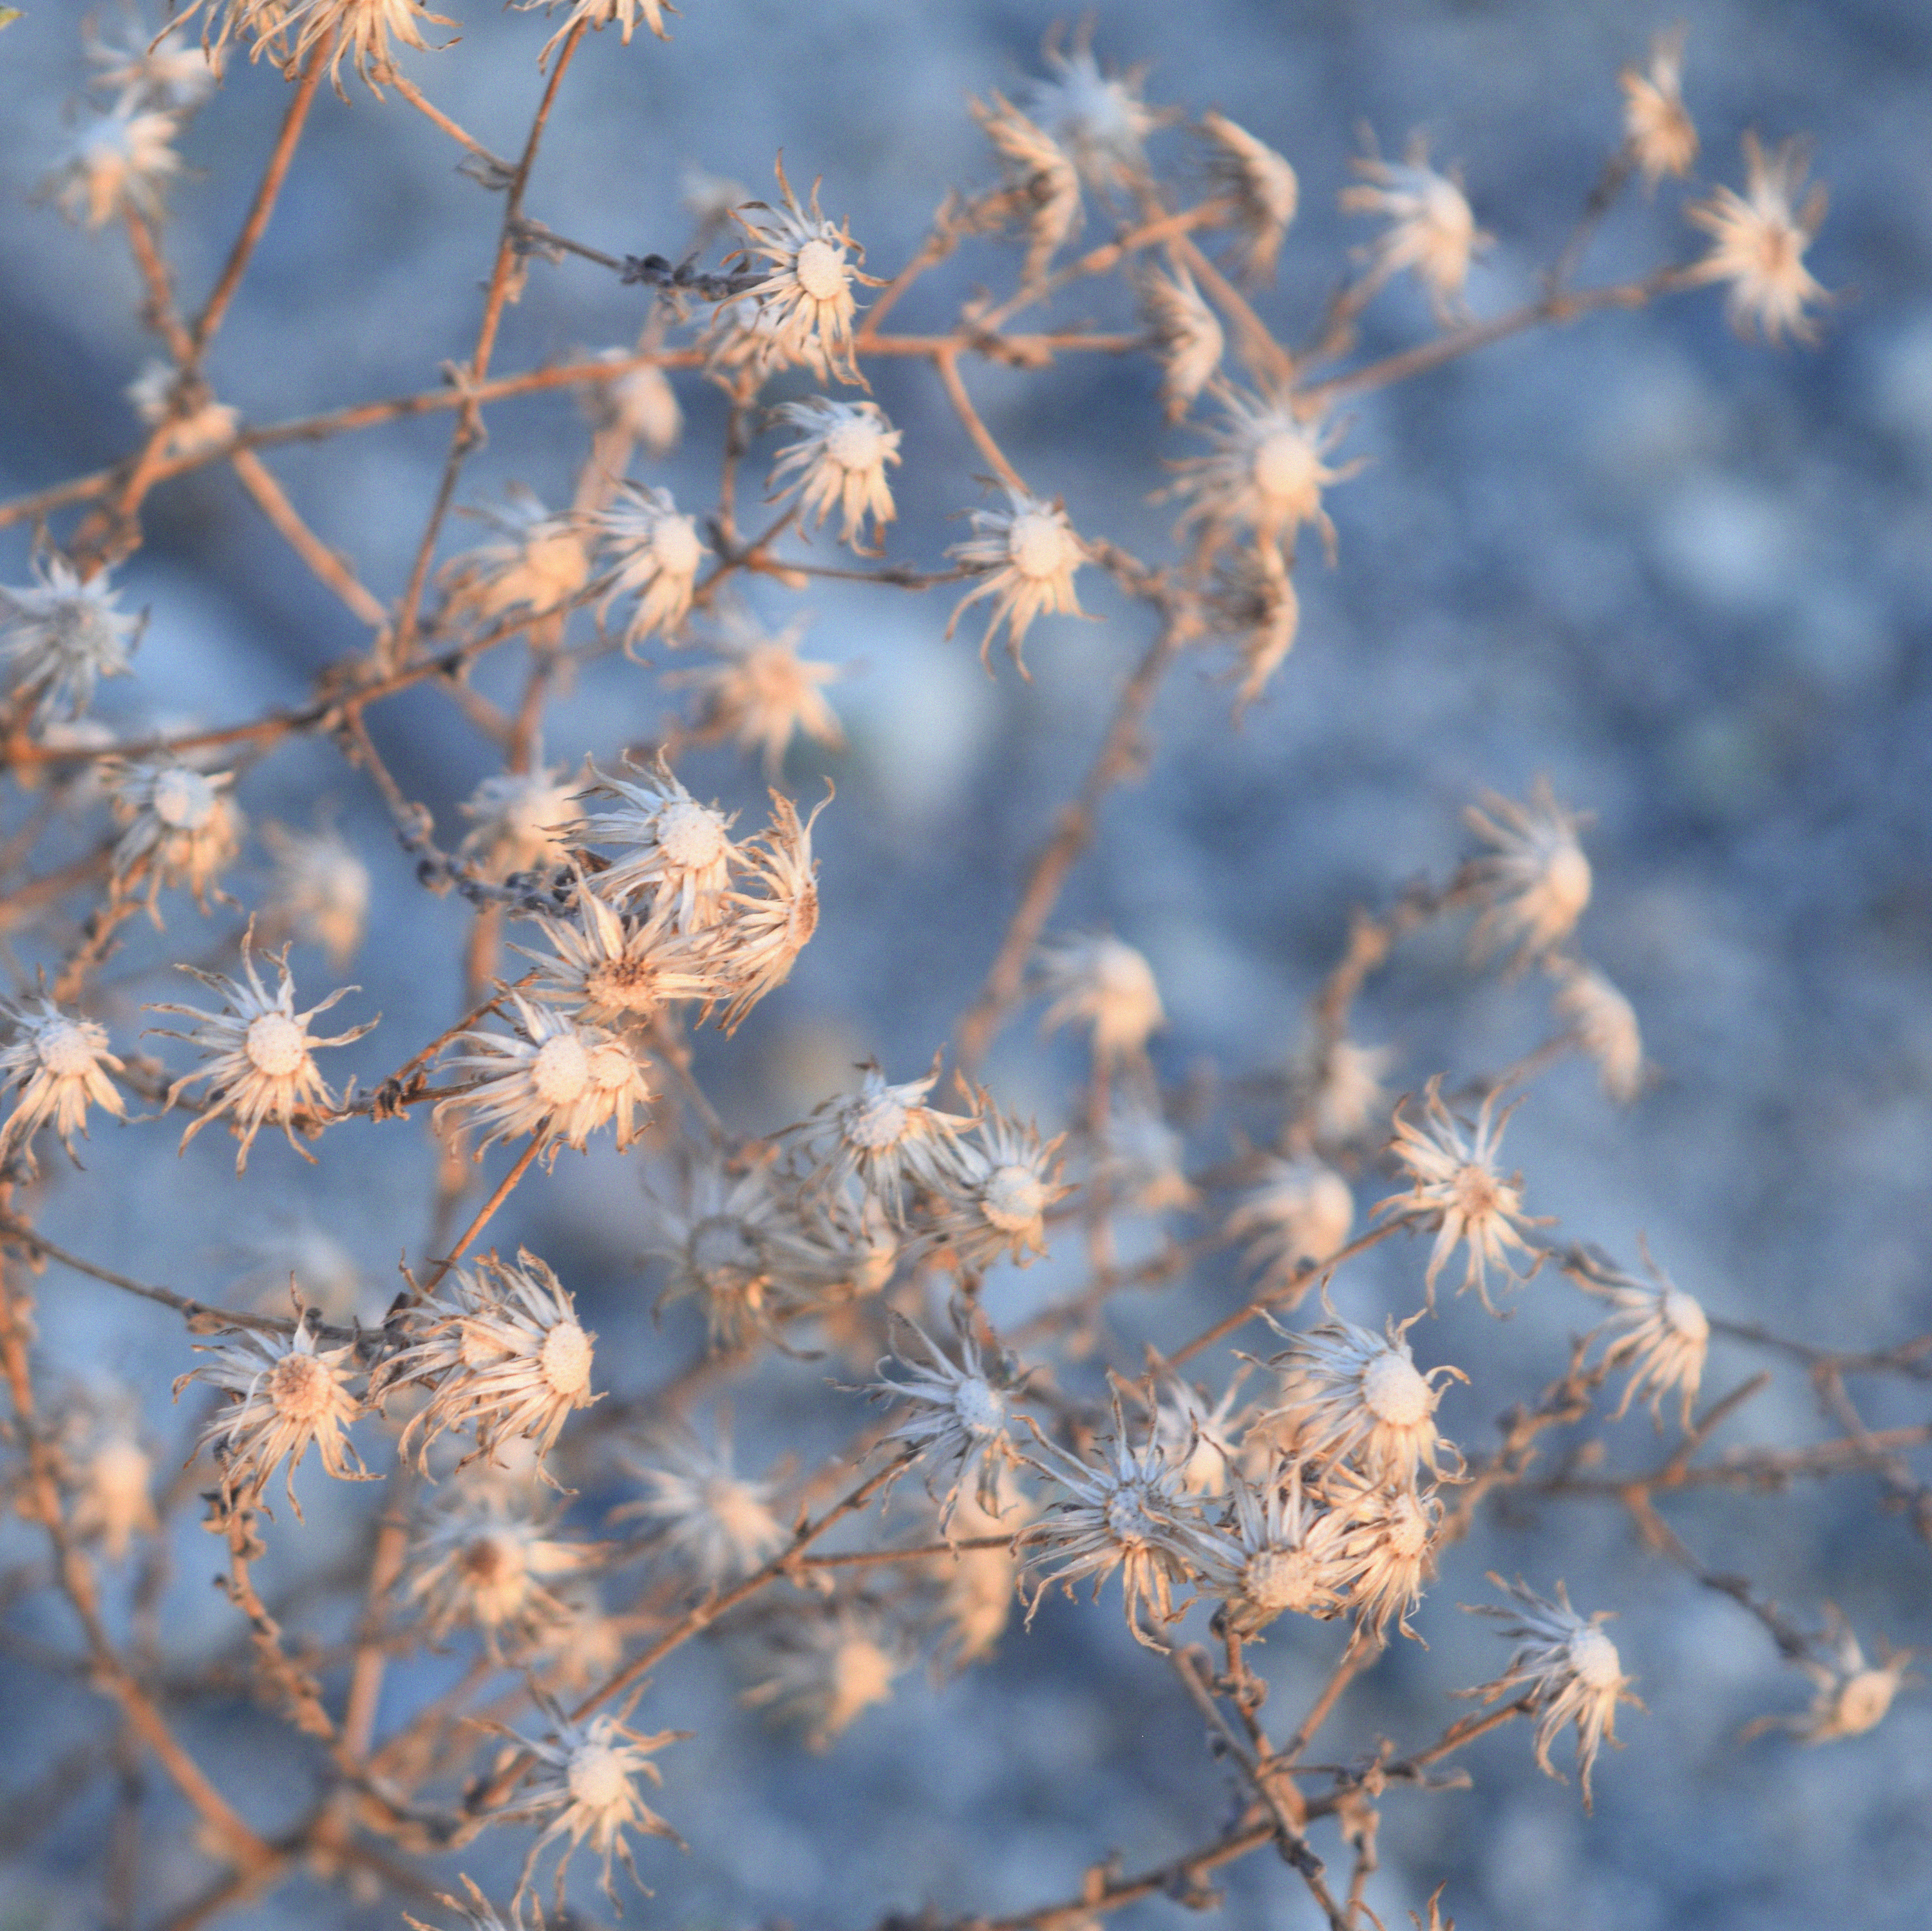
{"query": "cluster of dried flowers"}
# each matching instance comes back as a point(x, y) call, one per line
point(1313, 1485)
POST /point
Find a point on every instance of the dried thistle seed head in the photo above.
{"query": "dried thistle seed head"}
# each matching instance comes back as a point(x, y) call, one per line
point(1758, 240)
point(1100, 118)
point(726, 1237)
point(805, 300)
point(1389, 1551)
point(359, 30)
point(540, 563)
point(182, 828)
point(1142, 1159)
point(1106, 983)
point(1280, 1552)
point(826, 1667)
point(1188, 333)
point(1567, 1666)
point(708, 1518)
point(1042, 180)
point(1266, 474)
point(1292, 1211)
point(1028, 552)
point(1659, 135)
point(1431, 229)
point(520, 821)
point(258, 1055)
point(673, 854)
point(118, 160)
point(1660, 1333)
point(614, 970)
point(994, 1205)
point(762, 693)
point(839, 463)
point(976, 1587)
point(1263, 186)
point(883, 1136)
point(321, 892)
point(480, 1562)
point(475, 1910)
point(1202, 1441)
point(1604, 1024)
point(55, 1065)
point(62, 636)
point(1534, 881)
point(657, 553)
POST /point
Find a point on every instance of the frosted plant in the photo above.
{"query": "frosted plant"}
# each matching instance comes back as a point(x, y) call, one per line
point(539, 563)
point(761, 694)
point(1460, 1193)
point(1280, 1552)
point(479, 1564)
point(287, 1395)
point(709, 1520)
point(259, 1056)
point(56, 1067)
point(658, 553)
point(556, 1078)
point(1534, 881)
point(884, 1136)
point(519, 820)
point(1127, 1512)
point(62, 635)
point(182, 828)
point(1659, 134)
point(503, 1354)
point(118, 163)
point(1347, 1393)
point(1026, 554)
point(669, 845)
point(613, 970)
point(1105, 983)
point(1189, 334)
point(1567, 1667)
point(321, 892)
point(1660, 1333)
point(804, 296)
point(954, 1416)
point(1605, 1024)
point(1262, 185)
point(1292, 1211)
point(1850, 1695)
point(1430, 232)
point(994, 1206)
point(839, 463)
point(1042, 180)
point(1099, 118)
point(824, 1669)
point(1266, 473)
point(584, 1786)
point(1758, 240)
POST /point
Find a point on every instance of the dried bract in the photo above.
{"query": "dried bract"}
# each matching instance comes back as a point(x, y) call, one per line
point(839, 463)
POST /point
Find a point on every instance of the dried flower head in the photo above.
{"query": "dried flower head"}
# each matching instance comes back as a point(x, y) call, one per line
point(1659, 134)
point(723, 1236)
point(1143, 1159)
point(658, 552)
point(288, 1395)
point(1108, 984)
point(640, 404)
point(1430, 229)
point(358, 31)
point(502, 1353)
point(1266, 474)
point(1850, 1695)
point(1280, 1551)
point(321, 891)
point(598, 14)
point(1262, 185)
point(977, 1586)
point(538, 565)
point(1658, 1332)
point(192, 421)
point(1188, 334)
point(169, 72)
point(1568, 1667)
point(1604, 1024)
point(710, 1520)
point(1349, 1393)
point(1041, 180)
point(1534, 881)
point(1028, 552)
point(260, 1058)
point(1758, 244)
point(883, 1135)
point(54, 1065)
point(805, 300)
point(481, 1562)
point(519, 820)
point(1460, 1192)
point(117, 163)
point(62, 635)
point(1389, 1550)
point(839, 463)
point(994, 1205)
point(670, 846)
point(106, 1466)
point(954, 1415)
point(613, 970)
point(1340, 1081)
point(1294, 1211)
point(182, 828)
point(475, 1910)
point(1100, 118)
point(1201, 1440)
point(762, 693)
point(826, 1667)
point(764, 931)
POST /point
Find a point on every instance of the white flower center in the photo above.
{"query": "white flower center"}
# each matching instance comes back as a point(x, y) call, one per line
point(1013, 1199)
point(1276, 1579)
point(1042, 547)
point(183, 800)
point(1594, 1661)
point(1684, 1315)
point(857, 442)
point(300, 1388)
point(561, 1070)
point(597, 1778)
point(1286, 468)
point(117, 1476)
point(611, 1067)
point(821, 270)
point(1864, 1700)
point(630, 985)
point(980, 1406)
point(63, 1049)
point(1407, 1529)
point(1393, 1391)
point(690, 837)
point(1127, 1520)
point(1566, 879)
point(740, 1513)
point(876, 1123)
point(275, 1045)
point(675, 545)
point(565, 1362)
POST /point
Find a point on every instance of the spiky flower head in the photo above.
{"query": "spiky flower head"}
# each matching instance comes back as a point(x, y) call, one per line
point(289, 1394)
point(118, 162)
point(1604, 1024)
point(62, 635)
point(168, 72)
point(106, 1466)
point(672, 852)
point(826, 1667)
point(481, 1562)
point(475, 1910)
point(551, 1075)
point(1567, 1667)
point(598, 14)
point(1027, 553)
point(723, 1236)
point(884, 1136)
point(1389, 1550)
point(321, 892)
point(503, 1353)
point(805, 300)
point(761, 694)
point(1108, 984)
point(994, 1206)
point(1534, 881)
point(1280, 1552)
point(1188, 334)
point(537, 564)
point(1042, 184)
point(1099, 117)
point(1849, 1695)
point(839, 463)
point(711, 1521)
point(640, 404)
point(520, 820)
point(258, 1055)
point(1431, 229)
point(1657, 1331)
point(182, 828)
point(1460, 1191)
point(55, 1065)
point(657, 553)
point(1291, 1211)
point(1659, 135)
point(614, 970)
point(1263, 187)
point(358, 31)
point(1266, 473)
point(1758, 240)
